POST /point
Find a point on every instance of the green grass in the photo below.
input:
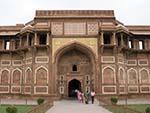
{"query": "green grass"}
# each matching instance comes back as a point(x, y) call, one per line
point(20, 108)
point(140, 107)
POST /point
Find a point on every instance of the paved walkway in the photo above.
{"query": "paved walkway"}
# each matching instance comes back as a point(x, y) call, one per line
point(72, 106)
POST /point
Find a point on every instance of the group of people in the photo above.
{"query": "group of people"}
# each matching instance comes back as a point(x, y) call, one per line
point(85, 97)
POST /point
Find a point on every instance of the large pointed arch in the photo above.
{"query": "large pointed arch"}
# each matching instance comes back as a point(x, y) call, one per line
point(87, 51)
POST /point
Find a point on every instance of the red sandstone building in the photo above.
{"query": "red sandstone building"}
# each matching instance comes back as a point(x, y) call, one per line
point(60, 51)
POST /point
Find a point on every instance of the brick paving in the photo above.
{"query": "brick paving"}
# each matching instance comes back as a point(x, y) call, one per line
point(72, 106)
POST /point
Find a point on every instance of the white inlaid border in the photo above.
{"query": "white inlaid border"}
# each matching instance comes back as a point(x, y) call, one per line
point(133, 91)
point(37, 70)
point(113, 75)
point(7, 86)
point(110, 86)
point(143, 87)
point(46, 57)
point(16, 87)
point(35, 92)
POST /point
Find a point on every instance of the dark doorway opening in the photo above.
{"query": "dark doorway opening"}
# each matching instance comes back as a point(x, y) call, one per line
point(72, 86)
point(74, 68)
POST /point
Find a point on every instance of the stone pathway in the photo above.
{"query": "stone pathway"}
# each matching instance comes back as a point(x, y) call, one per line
point(73, 106)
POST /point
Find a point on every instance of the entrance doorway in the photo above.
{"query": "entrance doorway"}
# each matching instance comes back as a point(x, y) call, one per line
point(72, 86)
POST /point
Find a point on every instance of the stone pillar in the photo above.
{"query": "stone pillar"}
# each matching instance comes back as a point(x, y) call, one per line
point(114, 38)
point(20, 41)
point(27, 44)
point(122, 42)
point(47, 39)
point(35, 38)
point(102, 38)
point(3, 44)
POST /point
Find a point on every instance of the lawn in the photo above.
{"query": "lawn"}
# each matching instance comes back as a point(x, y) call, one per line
point(20, 108)
point(140, 107)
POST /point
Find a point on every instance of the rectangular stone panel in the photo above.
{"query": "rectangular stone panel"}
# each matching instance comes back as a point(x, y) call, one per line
point(92, 28)
point(42, 59)
point(4, 89)
point(27, 89)
point(40, 89)
point(75, 28)
point(57, 28)
point(143, 62)
point(109, 89)
point(5, 62)
point(133, 89)
point(17, 63)
point(132, 62)
point(122, 89)
point(144, 89)
point(108, 59)
point(16, 89)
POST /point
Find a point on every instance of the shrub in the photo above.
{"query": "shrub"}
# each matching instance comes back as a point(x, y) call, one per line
point(11, 109)
point(40, 101)
point(114, 100)
point(147, 110)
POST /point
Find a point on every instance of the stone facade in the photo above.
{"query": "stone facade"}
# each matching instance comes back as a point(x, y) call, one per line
point(60, 51)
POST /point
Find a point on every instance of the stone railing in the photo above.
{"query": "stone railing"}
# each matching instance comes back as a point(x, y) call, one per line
point(41, 108)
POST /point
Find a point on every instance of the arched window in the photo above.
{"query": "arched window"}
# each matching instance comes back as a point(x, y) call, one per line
point(28, 78)
point(144, 76)
point(41, 76)
point(16, 77)
point(5, 77)
point(121, 76)
point(132, 77)
point(108, 76)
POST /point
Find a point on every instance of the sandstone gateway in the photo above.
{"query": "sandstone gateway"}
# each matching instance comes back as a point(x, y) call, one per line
point(63, 50)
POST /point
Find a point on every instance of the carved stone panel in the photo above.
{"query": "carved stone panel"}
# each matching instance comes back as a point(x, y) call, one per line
point(75, 28)
point(92, 28)
point(57, 28)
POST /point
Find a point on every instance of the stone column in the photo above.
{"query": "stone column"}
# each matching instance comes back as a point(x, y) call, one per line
point(20, 41)
point(35, 38)
point(47, 39)
point(122, 43)
point(3, 44)
point(102, 38)
point(114, 38)
point(27, 44)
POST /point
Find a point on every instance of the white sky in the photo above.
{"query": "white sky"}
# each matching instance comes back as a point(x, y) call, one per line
point(126, 11)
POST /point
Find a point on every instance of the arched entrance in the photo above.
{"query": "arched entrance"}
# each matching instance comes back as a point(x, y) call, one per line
point(72, 86)
point(74, 69)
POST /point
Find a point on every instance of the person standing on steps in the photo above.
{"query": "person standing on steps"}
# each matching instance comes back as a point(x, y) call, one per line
point(92, 96)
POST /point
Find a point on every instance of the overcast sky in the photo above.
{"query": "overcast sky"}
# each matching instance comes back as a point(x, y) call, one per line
point(126, 11)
